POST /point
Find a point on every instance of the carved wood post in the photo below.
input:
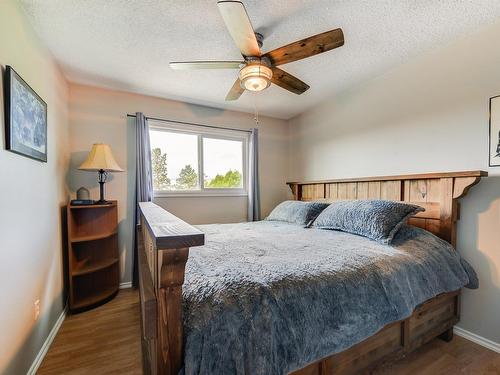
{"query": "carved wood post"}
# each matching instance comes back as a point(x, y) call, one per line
point(447, 211)
point(296, 190)
point(171, 266)
point(451, 190)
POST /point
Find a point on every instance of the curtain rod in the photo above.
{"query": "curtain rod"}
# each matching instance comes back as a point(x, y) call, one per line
point(192, 123)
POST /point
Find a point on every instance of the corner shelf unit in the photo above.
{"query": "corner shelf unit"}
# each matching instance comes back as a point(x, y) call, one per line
point(93, 262)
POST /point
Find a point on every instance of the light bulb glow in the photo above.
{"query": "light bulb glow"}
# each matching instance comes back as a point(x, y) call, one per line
point(255, 77)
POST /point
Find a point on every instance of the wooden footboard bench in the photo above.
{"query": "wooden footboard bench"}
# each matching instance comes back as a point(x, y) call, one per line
point(164, 242)
point(164, 248)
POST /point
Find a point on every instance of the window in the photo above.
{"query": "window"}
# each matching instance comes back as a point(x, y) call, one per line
point(222, 163)
point(191, 160)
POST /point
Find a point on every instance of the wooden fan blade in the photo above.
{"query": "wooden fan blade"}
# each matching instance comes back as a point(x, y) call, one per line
point(306, 47)
point(184, 65)
point(237, 22)
point(235, 91)
point(288, 82)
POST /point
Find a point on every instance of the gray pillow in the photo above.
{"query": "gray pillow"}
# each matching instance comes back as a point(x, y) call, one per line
point(298, 212)
point(379, 220)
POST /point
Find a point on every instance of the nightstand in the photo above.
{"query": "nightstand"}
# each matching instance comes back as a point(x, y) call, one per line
point(93, 262)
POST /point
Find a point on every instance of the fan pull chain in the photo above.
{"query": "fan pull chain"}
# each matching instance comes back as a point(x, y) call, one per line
point(256, 110)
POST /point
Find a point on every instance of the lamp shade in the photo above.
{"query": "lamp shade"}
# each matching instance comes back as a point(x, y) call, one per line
point(100, 157)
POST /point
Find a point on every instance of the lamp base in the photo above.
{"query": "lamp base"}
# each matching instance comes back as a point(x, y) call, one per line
point(102, 176)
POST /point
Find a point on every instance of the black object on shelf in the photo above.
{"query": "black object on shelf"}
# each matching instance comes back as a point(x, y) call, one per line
point(82, 202)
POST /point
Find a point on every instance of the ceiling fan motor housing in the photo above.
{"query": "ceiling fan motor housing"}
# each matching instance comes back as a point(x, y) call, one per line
point(258, 60)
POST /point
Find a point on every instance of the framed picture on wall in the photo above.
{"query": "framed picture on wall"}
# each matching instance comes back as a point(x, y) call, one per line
point(25, 118)
point(495, 131)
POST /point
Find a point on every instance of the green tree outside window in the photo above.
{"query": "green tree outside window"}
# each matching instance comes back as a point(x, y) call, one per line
point(159, 165)
point(188, 178)
point(232, 179)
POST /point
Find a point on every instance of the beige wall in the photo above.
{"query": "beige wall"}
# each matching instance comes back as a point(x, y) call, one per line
point(31, 194)
point(427, 115)
point(100, 115)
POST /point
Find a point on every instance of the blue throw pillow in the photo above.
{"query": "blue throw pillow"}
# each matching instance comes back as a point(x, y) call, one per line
point(298, 212)
point(379, 220)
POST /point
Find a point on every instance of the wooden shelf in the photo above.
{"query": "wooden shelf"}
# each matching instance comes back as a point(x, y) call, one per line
point(93, 237)
point(103, 294)
point(93, 258)
point(89, 267)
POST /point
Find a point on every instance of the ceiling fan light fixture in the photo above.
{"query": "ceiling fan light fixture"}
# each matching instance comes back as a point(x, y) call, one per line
point(255, 77)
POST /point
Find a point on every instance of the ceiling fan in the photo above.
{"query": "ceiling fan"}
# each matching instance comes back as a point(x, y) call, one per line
point(258, 70)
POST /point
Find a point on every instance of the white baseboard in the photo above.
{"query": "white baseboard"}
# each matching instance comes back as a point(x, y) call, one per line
point(492, 345)
point(46, 345)
point(52, 334)
point(126, 285)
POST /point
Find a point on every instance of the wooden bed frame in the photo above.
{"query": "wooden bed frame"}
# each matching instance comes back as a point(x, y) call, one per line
point(164, 242)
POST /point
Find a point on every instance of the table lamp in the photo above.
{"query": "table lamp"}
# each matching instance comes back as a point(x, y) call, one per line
point(101, 159)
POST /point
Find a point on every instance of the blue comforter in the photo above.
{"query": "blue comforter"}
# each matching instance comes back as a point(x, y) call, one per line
point(269, 298)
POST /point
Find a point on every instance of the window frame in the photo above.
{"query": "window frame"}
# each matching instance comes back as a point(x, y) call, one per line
point(202, 133)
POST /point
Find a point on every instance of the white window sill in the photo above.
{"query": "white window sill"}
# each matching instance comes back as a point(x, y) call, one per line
point(199, 194)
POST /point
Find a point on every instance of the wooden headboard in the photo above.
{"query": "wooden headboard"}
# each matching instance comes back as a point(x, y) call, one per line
point(438, 193)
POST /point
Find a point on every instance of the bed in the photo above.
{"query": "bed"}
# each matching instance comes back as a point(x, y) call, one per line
point(276, 298)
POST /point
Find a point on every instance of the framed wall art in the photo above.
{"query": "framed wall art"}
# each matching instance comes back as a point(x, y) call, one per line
point(25, 118)
point(494, 138)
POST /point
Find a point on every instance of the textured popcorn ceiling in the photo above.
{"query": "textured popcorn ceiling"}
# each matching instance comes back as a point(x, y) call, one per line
point(127, 45)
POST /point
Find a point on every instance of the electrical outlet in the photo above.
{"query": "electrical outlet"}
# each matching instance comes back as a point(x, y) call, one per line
point(37, 309)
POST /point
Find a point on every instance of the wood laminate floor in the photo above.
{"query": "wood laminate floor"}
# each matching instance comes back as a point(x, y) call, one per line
point(106, 340)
